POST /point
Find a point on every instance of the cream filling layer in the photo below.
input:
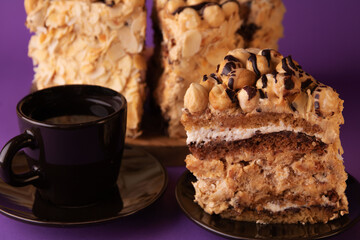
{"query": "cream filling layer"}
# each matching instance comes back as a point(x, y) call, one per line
point(274, 207)
point(199, 135)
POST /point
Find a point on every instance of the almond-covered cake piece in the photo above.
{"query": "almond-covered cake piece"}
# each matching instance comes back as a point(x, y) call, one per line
point(91, 42)
point(264, 141)
point(195, 35)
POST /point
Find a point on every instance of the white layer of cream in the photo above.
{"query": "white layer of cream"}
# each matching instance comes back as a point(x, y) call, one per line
point(274, 207)
point(199, 135)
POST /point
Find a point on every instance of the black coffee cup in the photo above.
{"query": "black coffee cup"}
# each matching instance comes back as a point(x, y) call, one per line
point(73, 138)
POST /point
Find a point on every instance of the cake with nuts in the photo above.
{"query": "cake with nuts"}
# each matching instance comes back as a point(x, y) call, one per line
point(264, 141)
point(192, 36)
point(91, 42)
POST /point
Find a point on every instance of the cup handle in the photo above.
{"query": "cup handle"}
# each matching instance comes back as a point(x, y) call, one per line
point(7, 155)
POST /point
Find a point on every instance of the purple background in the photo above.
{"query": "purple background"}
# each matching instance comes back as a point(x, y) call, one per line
point(322, 35)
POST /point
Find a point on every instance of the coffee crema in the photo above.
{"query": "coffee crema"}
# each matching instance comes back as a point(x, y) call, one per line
point(71, 119)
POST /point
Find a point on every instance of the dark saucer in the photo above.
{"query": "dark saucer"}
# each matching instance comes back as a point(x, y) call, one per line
point(142, 180)
point(247, 230)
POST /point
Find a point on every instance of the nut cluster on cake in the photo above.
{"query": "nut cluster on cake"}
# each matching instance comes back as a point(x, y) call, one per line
point(254, 81)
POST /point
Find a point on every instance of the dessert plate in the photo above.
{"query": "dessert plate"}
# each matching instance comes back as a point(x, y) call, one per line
point(248, 230)
point(141, 181)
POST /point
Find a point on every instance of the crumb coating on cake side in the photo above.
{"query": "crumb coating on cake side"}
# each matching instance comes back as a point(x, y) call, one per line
point(91, 42)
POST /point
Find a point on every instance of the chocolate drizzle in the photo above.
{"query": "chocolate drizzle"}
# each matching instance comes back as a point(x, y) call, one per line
point(231, 58)
point(264, 81)
point(274, 73)
point(266, 53)
point(289, 83)
point(251, 91)
point(217, 67)
point(286, 67)
point(231, 83)
point(317, 108)
point(196, 7)
point(306, 83)
point(291, 63)
point(107, 3)
point(247, 31)
point(232, 95)
point(213, 75)
point(252, 59)
point(205, 77)
point(262, 94)
point(228, 67)
point(293, 107)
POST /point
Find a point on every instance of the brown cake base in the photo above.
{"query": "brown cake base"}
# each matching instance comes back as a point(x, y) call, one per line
point(275, 142)
point(311, 214)
point(279, 177)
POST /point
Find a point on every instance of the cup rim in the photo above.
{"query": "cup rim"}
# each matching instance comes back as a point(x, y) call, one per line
point(100, 120)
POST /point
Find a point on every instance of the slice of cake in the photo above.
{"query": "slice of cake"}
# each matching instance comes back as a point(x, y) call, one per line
point(91, 42)
point(193, 36)
point(264, 141)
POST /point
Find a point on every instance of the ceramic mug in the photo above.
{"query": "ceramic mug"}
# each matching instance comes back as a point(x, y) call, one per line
point(73, 138)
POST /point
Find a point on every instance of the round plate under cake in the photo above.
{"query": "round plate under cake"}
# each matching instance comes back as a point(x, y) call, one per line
point(142, 180)
point(250, 230)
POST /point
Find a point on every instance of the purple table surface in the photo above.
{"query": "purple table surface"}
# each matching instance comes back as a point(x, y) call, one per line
point(323, 36)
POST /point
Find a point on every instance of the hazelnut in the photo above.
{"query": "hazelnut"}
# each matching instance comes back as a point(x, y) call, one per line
point(248, 98)
point(189, 18)
point(287, 65)
point(253, 50)
point(219, 99)
point(194, 2)
point(226, 66)
point(172, 5)
point(241, 54)
point(230, 8)
point(286, 86)
point(190, 43)
point(326, 101)
point(208, 82)
point(214, 15)
point(196, 98)
point(239, 78)
point(258, 64)
point(273, 56)
point(300, 103)
point(266, 86)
